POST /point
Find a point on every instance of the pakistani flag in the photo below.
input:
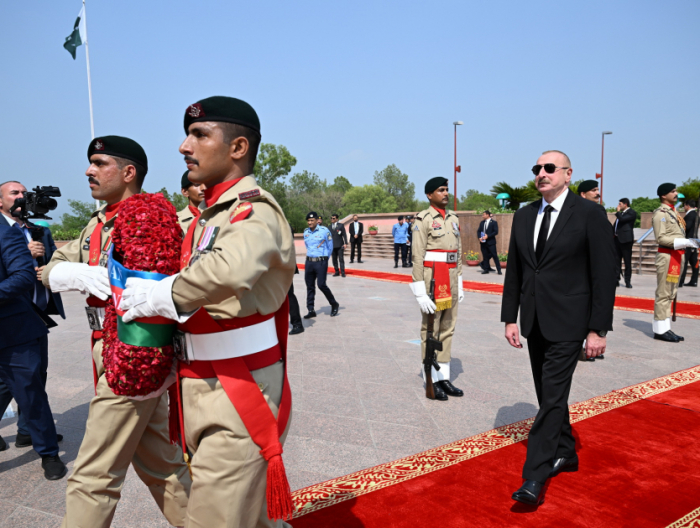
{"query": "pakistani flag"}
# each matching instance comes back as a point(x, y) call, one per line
point(78, 36)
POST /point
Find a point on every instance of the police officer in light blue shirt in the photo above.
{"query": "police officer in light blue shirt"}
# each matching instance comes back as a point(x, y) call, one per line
point(400, 234)
point(319, 246)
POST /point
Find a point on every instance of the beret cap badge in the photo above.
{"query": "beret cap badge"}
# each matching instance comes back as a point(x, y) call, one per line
point(195, 111)
point(99, 145)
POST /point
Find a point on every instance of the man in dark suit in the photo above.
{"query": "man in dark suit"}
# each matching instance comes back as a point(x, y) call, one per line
point(624, 238)
point(340, 242)
point(560, 277)
point(45, 300)
point(294, 312)
point(487, 231)
point(691, 254)
point(23, 337)
point(356, 230)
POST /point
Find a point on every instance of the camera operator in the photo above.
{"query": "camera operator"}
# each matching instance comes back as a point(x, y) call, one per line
point(44, 300)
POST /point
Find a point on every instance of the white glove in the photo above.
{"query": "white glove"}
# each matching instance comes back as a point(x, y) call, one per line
point(461, 289)
point(426, 305)
point(148, 298)
point(172, 377)
point(681, 243)
point(70, 276)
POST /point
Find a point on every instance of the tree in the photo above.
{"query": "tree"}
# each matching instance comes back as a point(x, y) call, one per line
point(341, 184)
point(473, 200)
point(690, 189)
point(396, 184)
point(177, 199)
point(518, 195)
point(644, 205)
point(273, 163)
point(369, 199)
point(81, 213)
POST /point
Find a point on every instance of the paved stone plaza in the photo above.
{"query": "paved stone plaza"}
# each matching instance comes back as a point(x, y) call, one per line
point(358, 394)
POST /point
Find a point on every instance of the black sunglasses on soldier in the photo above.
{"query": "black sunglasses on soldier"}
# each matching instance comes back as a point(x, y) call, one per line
point(549, 168)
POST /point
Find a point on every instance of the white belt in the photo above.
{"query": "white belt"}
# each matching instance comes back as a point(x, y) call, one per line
point(232, 343)
point(440, 256)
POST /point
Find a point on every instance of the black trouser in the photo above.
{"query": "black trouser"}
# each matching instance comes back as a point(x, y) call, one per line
point(489, 252)
point(691, 259)
point(294, 313)
point(355, 242)
point(624, 251)
point(22, 370)
point(316, 272)
point(553, 366)
point(404, 252)
point(410, 251)
point(339, 254)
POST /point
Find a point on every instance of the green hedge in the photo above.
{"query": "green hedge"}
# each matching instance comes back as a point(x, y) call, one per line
point(65, 234)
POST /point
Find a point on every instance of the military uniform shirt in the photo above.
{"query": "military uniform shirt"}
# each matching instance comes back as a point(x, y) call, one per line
point(319, 242)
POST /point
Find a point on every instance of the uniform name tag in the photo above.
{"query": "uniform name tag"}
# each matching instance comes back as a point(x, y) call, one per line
point(249, 194)
point(93, 318)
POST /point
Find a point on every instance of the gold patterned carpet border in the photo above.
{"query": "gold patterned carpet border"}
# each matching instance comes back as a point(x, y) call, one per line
point(325, 494)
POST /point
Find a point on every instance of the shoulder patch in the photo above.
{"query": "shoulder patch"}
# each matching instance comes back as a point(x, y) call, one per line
point(241, 212)
point(249, 194)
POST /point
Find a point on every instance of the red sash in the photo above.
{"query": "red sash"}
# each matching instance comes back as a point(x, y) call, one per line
point(674, 265)
point(241, 388)
point(194, 210)
point(441, 274)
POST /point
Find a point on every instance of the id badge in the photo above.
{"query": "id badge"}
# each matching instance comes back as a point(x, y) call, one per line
point(93, 318)
point(180, 346)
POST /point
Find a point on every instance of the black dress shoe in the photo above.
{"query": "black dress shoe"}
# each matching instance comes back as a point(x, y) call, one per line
point(693, 284)
point(669, 337)
point(359, 262)
point(336, 274)
point(54, 468)
point(23, 440)
point(3, 444)
point(628, 285)
point(500, 273)
point(342, 274)
point(296, 329)
point(334, 309)
point(312, 313)
point(351, 261)
point(450, 389)
point(485, 272)
point(564, 465)
point(680, 284)
point(530, 493)
point(602, 356)
point(396, 264)
point(680, 338)
point(439, 393)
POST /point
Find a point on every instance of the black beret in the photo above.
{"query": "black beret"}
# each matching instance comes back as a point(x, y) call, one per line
point(434, 183)
point(119, 146)
point(220, 108)
point(665, 188)
point(587, 185)
point(185, 182)
point(312, 214)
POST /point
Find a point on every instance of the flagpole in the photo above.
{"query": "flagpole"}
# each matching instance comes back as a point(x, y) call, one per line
point(87, 61)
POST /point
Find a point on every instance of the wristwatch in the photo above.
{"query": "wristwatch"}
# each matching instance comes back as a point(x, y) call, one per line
point(601, 333)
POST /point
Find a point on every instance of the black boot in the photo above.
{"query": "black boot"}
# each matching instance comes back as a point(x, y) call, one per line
point(450, 389)
point(3, 444)
point(297, 329)
point(312, 313)
point(54, 468)
point(439, 393)
point(396, 263)
point(669, 337)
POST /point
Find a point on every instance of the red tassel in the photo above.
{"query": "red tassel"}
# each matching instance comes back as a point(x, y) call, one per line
point(279, 494)
point(173, 416)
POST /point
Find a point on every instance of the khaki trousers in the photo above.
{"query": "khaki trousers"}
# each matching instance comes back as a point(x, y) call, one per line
point(229, 476)
point(445, 320)
point(665, 291)
point(121, 431)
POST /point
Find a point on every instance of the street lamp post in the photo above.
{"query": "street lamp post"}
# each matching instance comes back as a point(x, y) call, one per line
point(457, 167)
point(602, 157)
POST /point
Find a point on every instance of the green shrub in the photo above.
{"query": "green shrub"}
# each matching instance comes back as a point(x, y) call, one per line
point(65, 234)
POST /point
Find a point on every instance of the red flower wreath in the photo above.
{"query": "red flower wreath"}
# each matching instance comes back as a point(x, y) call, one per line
point(146, 237)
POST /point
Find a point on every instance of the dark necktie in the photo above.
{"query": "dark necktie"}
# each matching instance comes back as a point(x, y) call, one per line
point(39, 288)
point(544, 232)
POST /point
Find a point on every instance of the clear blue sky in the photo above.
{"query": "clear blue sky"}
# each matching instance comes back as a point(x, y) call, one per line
point(350, 87)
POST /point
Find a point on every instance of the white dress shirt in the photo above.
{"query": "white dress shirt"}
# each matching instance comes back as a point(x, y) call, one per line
point(357, 227)
point(557, 204)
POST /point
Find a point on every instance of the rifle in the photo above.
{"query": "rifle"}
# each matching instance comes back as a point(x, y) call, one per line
point(675, 305)
point(431, 346)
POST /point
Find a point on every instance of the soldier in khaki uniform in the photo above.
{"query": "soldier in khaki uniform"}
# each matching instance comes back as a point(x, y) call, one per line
point(195, 196)
point(119, 430)
point(230, 297)
point(669, 230)
point(437, 250)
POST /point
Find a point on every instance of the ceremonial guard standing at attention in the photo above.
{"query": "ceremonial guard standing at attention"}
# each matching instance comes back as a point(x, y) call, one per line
point(669, 230)
point(195, 195)
point(230, 298)
point(319, 246)
point(437, 250)
point(119, 431)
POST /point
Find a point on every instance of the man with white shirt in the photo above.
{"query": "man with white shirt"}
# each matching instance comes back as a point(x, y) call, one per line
point(559, 279)
point(43, 298)
point(356, 230)
point(487, 232)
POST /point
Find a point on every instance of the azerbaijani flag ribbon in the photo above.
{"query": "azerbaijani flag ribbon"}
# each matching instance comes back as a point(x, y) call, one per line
point(148, 331)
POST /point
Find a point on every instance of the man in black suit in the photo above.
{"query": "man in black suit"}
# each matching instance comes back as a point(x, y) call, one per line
point(21, 348)
point(44, 299)
point(560, 276)
point(487, 231)
point(340, 242)
point(691, 254)
point(356, 229)
point(624, 238)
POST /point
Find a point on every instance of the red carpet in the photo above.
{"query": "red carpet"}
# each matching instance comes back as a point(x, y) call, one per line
point(639, 459)
point(688, 310)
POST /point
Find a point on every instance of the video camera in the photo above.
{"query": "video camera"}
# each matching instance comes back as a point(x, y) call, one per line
point(36, 203)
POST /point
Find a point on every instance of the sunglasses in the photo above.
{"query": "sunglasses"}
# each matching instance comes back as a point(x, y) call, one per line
point(549, 168)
